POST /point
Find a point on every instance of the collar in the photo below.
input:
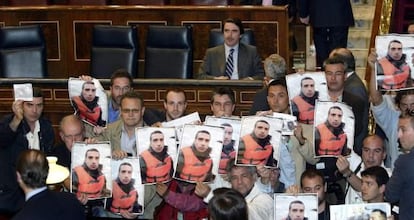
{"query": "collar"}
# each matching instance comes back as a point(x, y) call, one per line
point(227, 48)
point(349, 74)
point(35, 192)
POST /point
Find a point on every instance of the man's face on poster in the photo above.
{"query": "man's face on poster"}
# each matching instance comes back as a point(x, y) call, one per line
point(228, 135)
point(335, 117)
point(92, 160)
point(261, 129)
point(89, 91)
point(157, 142)
point(125, 174)
point(297, 211)
point(395, 50)
point(202, 141)
point(308, 87)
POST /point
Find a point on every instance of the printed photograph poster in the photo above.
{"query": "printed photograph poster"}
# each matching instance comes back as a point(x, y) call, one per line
point(360, 211)
point(304, 89)
point(127, 192)
point(231, 138)
point(300, 206)
point(333, 129)
point(395, 59)
point(89, 100)
point(260, 138)
point(91, 163)
point(199, 153)
point(157, 150)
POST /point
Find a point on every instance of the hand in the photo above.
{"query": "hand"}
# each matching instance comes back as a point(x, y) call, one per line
point(264, 113)
point(305, 20)
point(157, 124)
point(372, 58)
point(17, 108)
point(128, 215)
point(294, 189)
point(83, 198)
point(221, 77)
point(91, 141)
point(98, 130)
point(85, 78)
point(202, 189)
point(161, 189)
point(343, 165)
point(119, 154)
point(298, 132)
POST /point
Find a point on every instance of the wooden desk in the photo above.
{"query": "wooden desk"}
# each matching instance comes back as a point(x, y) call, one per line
point(68, 29)
point(198, 93)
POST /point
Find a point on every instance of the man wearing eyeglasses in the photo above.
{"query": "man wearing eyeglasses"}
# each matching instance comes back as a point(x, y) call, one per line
point(121, 133)
point(86, 105)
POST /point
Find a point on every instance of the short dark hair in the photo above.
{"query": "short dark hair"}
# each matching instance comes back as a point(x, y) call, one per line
point(124, 164)
point(401, 94)
point(278, 82)
point(347, 56)
point(155, 132)
point(311, 174)
point(235, 21)
point(121, 73)
point(393, 41)
point(295, 202)
point(33, 168)
point(223, 91)
point(202, 131)
point(227, 204)
point(305, 78)
point(37, 92)
point(133, 95)
point(176, 90)
point(335, 60)
point(378, 173)
point(334, 107)
point(91, 150)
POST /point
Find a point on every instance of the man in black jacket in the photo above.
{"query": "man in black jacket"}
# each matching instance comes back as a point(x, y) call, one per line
point(22, 130)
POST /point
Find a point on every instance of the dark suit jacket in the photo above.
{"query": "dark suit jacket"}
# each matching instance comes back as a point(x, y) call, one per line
point(11, 145)
point(327, 13)
point(361, 119)
point(260, 102)
point(50, 205)
point(249, 63)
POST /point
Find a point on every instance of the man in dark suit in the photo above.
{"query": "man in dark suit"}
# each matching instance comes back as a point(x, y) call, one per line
point(42, 204)
point(330, 21)
point(22, 130)
point(246, 63)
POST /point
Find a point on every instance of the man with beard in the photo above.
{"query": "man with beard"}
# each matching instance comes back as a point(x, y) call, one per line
point(228, 151)
point(296, 211)
point(125, 196)
point(255, 148)
point(330, 137)
point(194, 162)
point(232, 60)
point(156, 164)
point(88, 178)
point(86, 105)
point(393, 69)
point(303, 105)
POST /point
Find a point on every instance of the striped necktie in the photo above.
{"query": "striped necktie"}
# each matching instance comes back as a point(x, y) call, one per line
point(229, 64)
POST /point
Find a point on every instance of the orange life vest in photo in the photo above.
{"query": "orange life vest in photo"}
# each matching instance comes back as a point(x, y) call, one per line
point(85, 113)
point(194, 169)
point(306, 110)
point(329, 143)
point(88, 185)
point(122, 200)
point(156, 170)
point(394, 78)
point(224, 159)
point(254, 153)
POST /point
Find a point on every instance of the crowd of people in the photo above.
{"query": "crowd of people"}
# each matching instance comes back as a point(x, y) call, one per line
point(377, 168)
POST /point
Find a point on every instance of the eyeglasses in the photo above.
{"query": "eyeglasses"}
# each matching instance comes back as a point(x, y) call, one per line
point(127, 111)
point(73, 136)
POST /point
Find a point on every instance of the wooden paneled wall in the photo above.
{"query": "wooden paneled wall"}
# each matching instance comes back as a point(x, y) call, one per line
point(68, 29)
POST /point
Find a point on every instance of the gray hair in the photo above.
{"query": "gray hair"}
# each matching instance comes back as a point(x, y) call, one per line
point(275, 66)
